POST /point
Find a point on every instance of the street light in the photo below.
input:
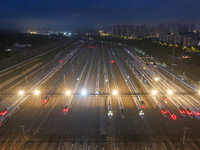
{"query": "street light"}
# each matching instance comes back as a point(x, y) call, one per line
point(37, 92)
point(21, 92)
point(154, 92)
point(115, 92)
point(68, 92)
point(170, 92)
point(83, 92)
point(157, 79)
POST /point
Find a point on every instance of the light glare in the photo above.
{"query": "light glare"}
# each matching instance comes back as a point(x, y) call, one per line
point(115, 92)
point(83, 92)
point(170, 92)
point(21, 92)
point(154, 92)
point(68, 92)
point(37, 92)
point(156, 79)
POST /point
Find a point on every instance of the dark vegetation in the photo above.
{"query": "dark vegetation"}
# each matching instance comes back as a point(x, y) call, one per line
point(8, 39)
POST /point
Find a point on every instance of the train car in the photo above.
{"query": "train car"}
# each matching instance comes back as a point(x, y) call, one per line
point(5, 105)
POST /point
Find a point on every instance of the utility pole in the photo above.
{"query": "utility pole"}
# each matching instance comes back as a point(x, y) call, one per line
point(43, 68)
point(24, 137)
point(73, 69)
point(182, 54)
point(64, 82)
point(78, 61)
point(173, 54)
point(173, 63)
point(50, 102)
point(142, 81)
point(26, 79)
point(184, 134)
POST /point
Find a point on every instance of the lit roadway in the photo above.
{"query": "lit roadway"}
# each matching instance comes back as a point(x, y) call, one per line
point(88, 90)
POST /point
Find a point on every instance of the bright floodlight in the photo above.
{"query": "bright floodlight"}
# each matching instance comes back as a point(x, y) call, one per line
point(156, 79)
point(21, 92)
point(115, 92)
point(83, 92)
point(170, 92)
point(154, 92)
point(37, 92)
point(68, 92)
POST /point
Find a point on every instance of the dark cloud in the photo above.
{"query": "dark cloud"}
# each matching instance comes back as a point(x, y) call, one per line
point(90, 14)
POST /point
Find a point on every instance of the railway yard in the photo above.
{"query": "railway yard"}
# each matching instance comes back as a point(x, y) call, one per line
point(97, 95)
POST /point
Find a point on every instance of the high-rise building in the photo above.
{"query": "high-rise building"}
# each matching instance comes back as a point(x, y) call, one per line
point(137, 31)
point(107, 29)
point(118, 30)
point(143, 30)
point(114, 30)
point(192, 27)
point(152, 31)
point(184, 28)
point(123, 30)
point(130, 30)
point(163, 28)
point(174, 28)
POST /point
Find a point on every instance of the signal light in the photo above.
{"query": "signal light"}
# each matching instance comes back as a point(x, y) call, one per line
point(143, 106)
point(44, 101)
point(112, 61)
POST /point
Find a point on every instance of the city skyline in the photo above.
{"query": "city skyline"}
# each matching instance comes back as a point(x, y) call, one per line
point(89, 15)
point(145, 30)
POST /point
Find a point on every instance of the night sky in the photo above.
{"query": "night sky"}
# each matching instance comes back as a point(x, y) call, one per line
point(92, 14)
